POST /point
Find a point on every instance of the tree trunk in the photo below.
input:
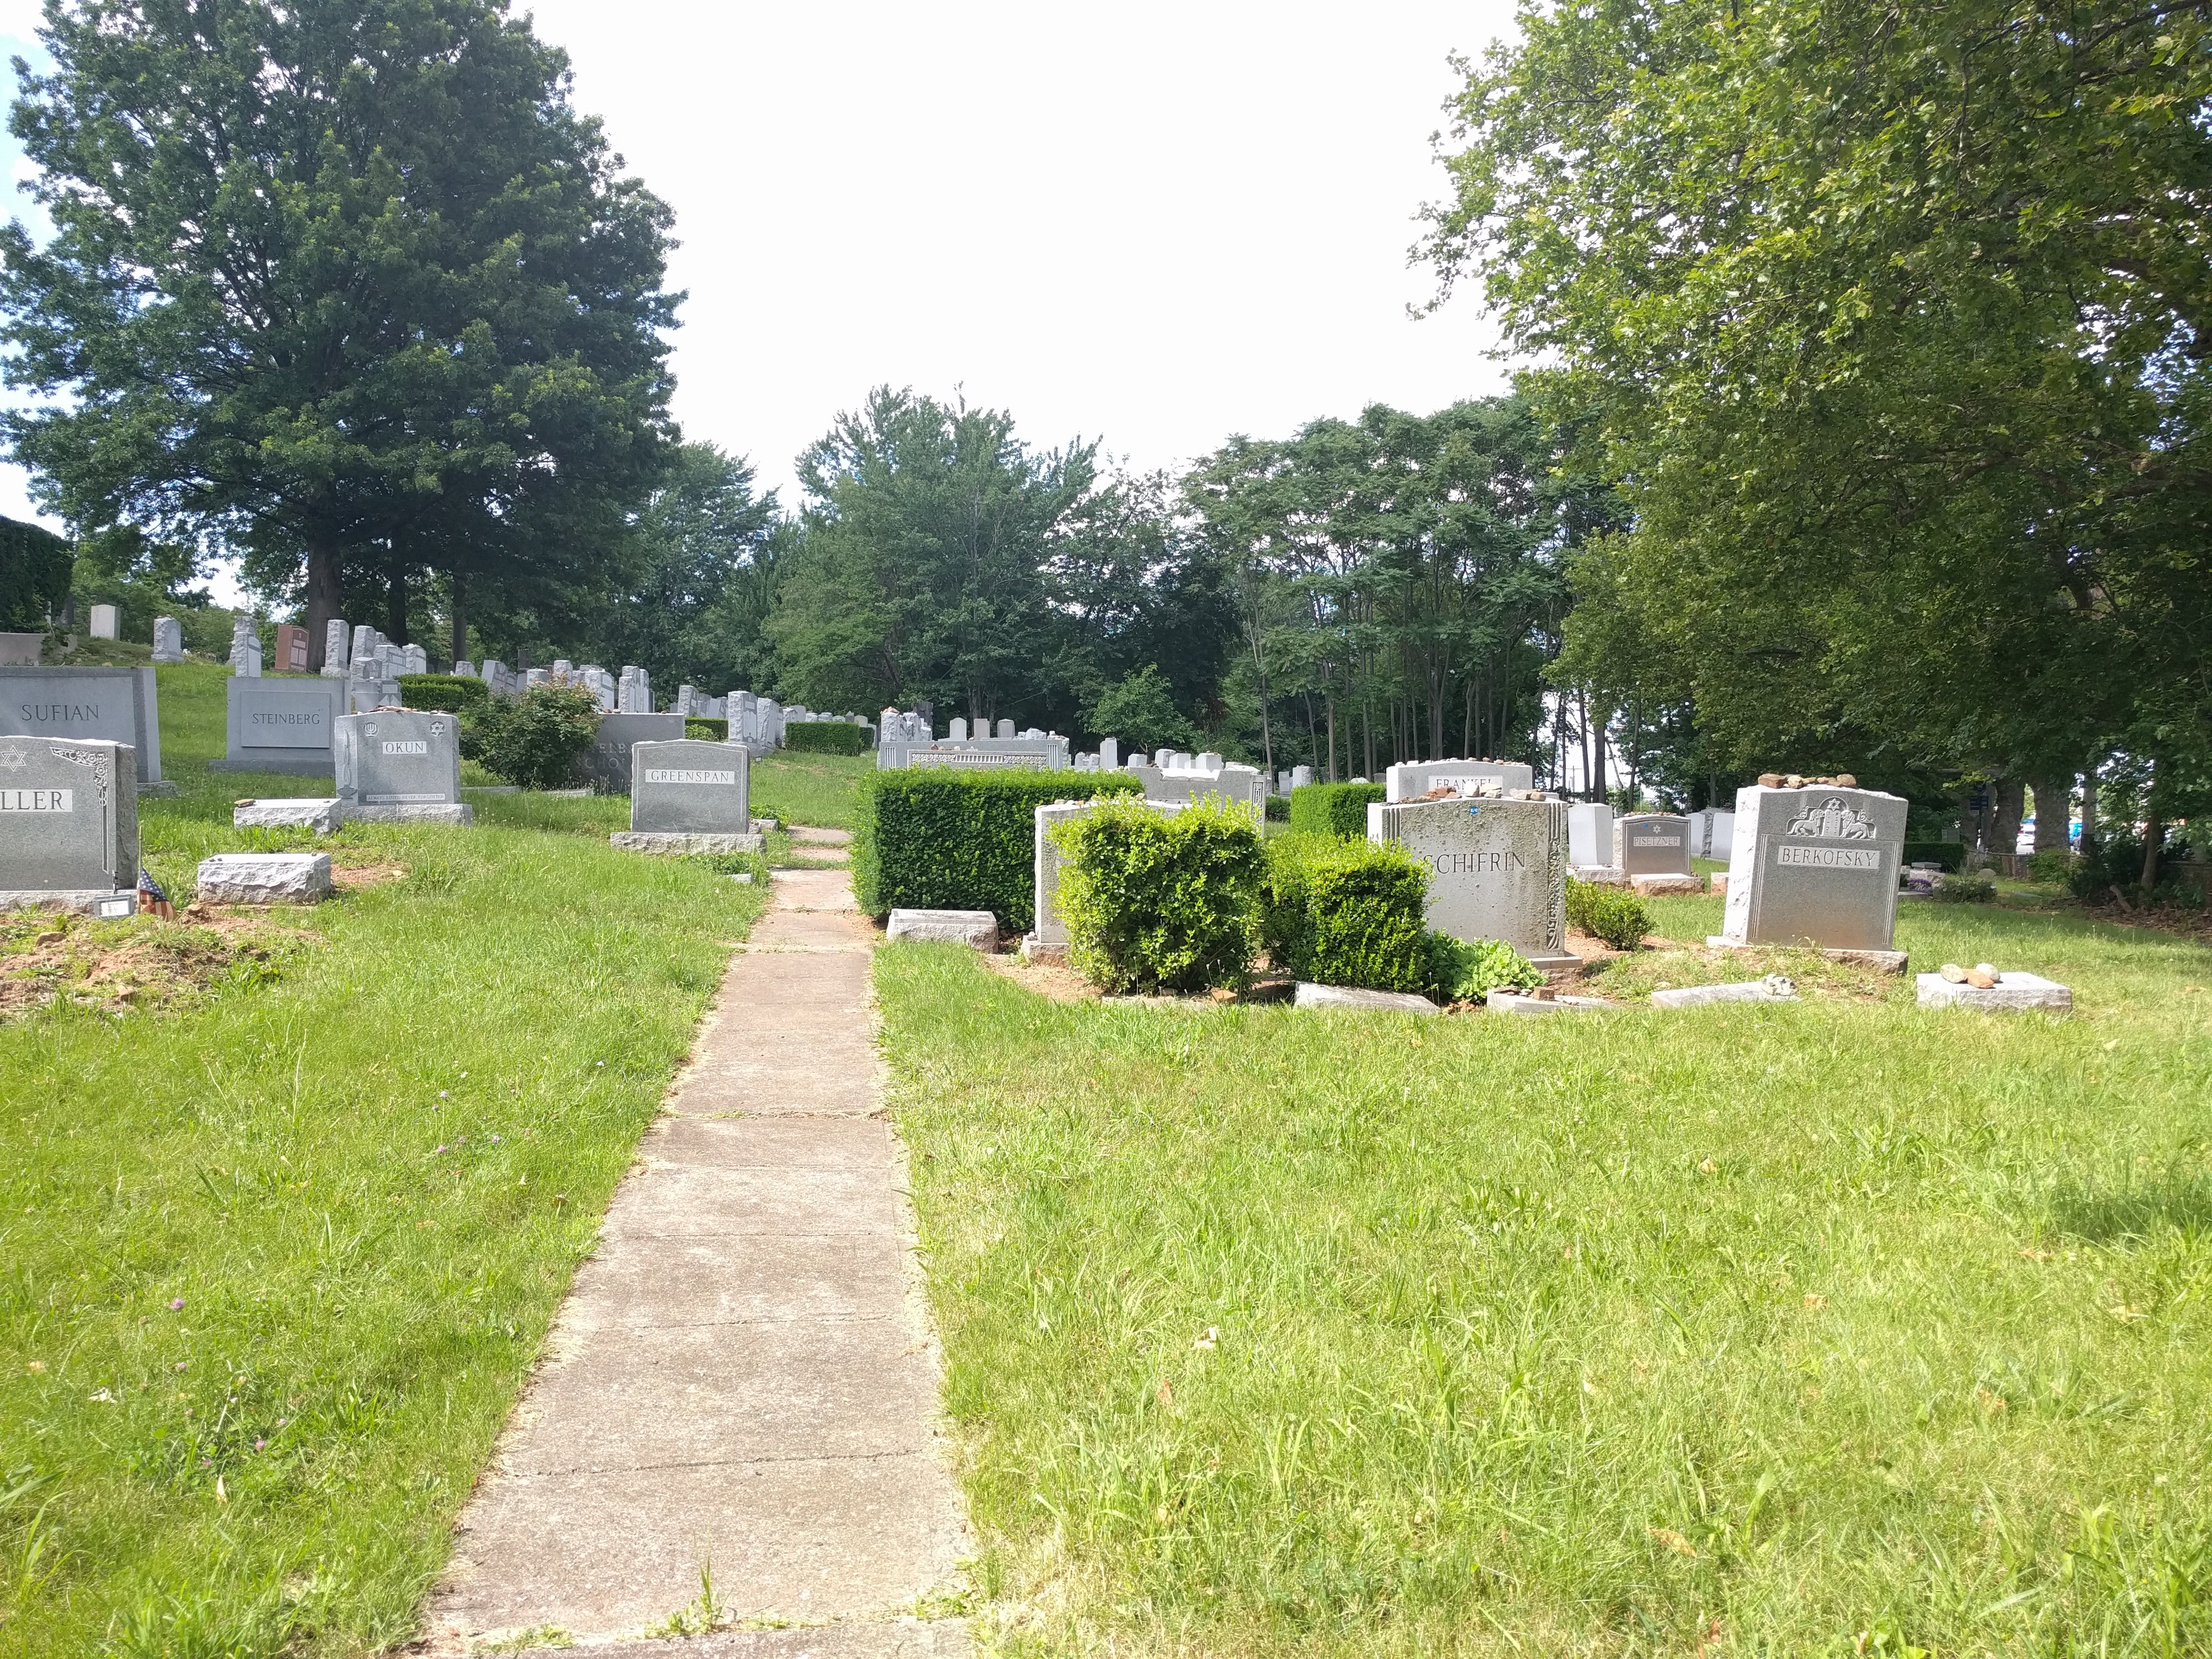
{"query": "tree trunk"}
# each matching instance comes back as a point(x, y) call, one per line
point(2153, 829)
point(1330, 703)
point(2053, 800)
point(324, 597)
point(2008, 796)
point(395, 608)
point(460, 624)
point(2088, 809)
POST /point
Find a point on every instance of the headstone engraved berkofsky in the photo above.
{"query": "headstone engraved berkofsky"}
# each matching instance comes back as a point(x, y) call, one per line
point(401, 763)
point(280, 725)
point(1651, 844)
point(117, 705)
point(1498, 868)
point(69, 821)
point(1815, 865)
point(689, 795)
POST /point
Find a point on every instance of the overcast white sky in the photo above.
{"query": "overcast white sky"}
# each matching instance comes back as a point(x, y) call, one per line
point(1156, 224)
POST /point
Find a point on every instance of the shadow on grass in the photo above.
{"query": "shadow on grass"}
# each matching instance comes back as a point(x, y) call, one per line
point(2134, 1213)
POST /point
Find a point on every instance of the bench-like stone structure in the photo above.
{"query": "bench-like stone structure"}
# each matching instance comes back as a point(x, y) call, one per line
point(2012, 994)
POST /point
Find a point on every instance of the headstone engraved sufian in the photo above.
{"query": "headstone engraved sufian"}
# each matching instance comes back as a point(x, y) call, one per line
point(286, 724)
point(1815, 865)
point(116, 705)
point(1652, 844)
point(401, 765)
point(689, 795)
point(1498, 868)
point(69, 821)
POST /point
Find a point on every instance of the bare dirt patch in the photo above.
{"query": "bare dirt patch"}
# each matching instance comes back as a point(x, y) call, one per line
point(141, 963)
point(365, 875)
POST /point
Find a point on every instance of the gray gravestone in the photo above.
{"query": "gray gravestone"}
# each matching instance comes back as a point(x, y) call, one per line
point(168, 640)
point(401, 763)
point(337, 648)
point(1498, 868)
point(1186, 781)
point(1411, 780)
point(691, 786)
point(980, 760)
point(1815, 865)
point(116, 705)
point(1589, 835)
point(1651, 844)
point(606, 763)
point(281, 724)
point(106, 622)
point(69, 821)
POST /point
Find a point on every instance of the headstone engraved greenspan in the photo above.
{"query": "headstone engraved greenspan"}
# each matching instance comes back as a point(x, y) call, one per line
point(400, 764)
point(69, 821)
point(281, 724)
point(1498, 868)
point(113, 705)
point(692, 784)
point(1651, 844)
point(1816, 866)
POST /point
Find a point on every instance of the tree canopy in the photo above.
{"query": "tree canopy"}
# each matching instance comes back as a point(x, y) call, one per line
point(350, 288)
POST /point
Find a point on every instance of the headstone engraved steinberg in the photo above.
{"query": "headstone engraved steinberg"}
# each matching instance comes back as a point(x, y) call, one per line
point(689, 795)
point(1498, 868)
point(1652, 844)
point(401, 763)
point(116, 705)
point(287, 725)
point(1817, 866)
point(69, 821)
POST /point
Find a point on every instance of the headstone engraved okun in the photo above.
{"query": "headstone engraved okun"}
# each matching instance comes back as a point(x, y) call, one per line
point(1652, 844)
point(689, 795)
point(1817, 864)
point(280, 725)
point(1498, 868)
point(69, 821)
point(115, 705)
point(401, 763)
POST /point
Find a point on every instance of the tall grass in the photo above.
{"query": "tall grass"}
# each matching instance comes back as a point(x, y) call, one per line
point(1831, 1328)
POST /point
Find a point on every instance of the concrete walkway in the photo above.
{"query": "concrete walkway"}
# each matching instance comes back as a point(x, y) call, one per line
point(742, 1380)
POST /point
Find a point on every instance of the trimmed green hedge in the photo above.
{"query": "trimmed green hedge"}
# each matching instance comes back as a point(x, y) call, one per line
point(1161, 901)
point(1613, 914)
point(1333, 809)
point(707, 726)
point(1951, 854)
point(930, 840)
point(455, 693)
point(828, 737)
point(1348, 913)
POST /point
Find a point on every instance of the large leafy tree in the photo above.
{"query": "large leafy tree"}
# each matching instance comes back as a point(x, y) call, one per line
point(350, 287)
point(920, 574)
point(1891, 322)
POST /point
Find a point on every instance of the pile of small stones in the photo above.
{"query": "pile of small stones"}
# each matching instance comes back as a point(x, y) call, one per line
point(1791, 781)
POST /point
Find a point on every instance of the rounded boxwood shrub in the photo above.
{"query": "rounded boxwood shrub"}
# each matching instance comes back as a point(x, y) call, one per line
point(1333, 809)
point(536, 739)
point(1160, 902)
point(1613, 914)
point(1348, 913)
point(712, 728)
point(826, 737)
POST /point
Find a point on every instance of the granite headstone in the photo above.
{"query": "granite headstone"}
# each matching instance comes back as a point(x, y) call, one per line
point(168, 640)
point(606, 763)
point(117, 705)
point(283, 724)
point(1411, 780)
point(1498, 868)
point(69, 821)
point(1817, 866)
point(692, 785)
point(400, 764)
point(1651, 844)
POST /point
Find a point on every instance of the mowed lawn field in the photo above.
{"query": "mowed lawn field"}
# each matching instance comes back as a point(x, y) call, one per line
point(1838, 1328)
point(274, 1262)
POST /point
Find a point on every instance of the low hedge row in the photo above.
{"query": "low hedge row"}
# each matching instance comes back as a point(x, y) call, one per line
point(1345, 912)
point(931, 840)
point(827, 738)
point(1333, 809)
point(454, 693)
point(707, 726)
point(1161, 902)
point(1951, 854)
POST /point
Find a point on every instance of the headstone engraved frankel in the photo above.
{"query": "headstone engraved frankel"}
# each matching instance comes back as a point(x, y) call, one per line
point(401, 765)
point(69, 822)
point(1815, 865)
point(113, 704)
point(1411, 780)
point(286, 725)
point(691, 795)
point(1498, 868)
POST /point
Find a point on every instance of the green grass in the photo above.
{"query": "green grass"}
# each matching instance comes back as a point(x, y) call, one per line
point(367, 1183)
point(823, 790)
point(1825, 1329)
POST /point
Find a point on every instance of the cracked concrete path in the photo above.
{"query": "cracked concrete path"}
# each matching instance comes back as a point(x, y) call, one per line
point(743, 1378)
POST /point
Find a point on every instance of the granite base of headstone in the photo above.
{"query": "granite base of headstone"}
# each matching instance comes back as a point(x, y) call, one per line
point(301, 812)
point(69, 822)
point(286, 725)
point(1497, 869)
point(1513, 1002)
point(978, 928)
point(265, 879)
point(1667, 886)
point(2014, 993)
point(1815, 865)
point(401, 766)
point(113, 705)
point(1774, 987)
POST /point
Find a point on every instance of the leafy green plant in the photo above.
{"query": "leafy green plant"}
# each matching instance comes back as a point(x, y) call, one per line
point(932, 840)
point(1279, 809)
point(456, 694)
point(1140, 709)
point(1613, 914)
point(535, 740)
point(1464, 972)
point(1969, 887)
point(826, 737)
point(1348, 913)
point(707, 726)
point(1333, 809)
point(1155, 901)
point(2051, 866)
